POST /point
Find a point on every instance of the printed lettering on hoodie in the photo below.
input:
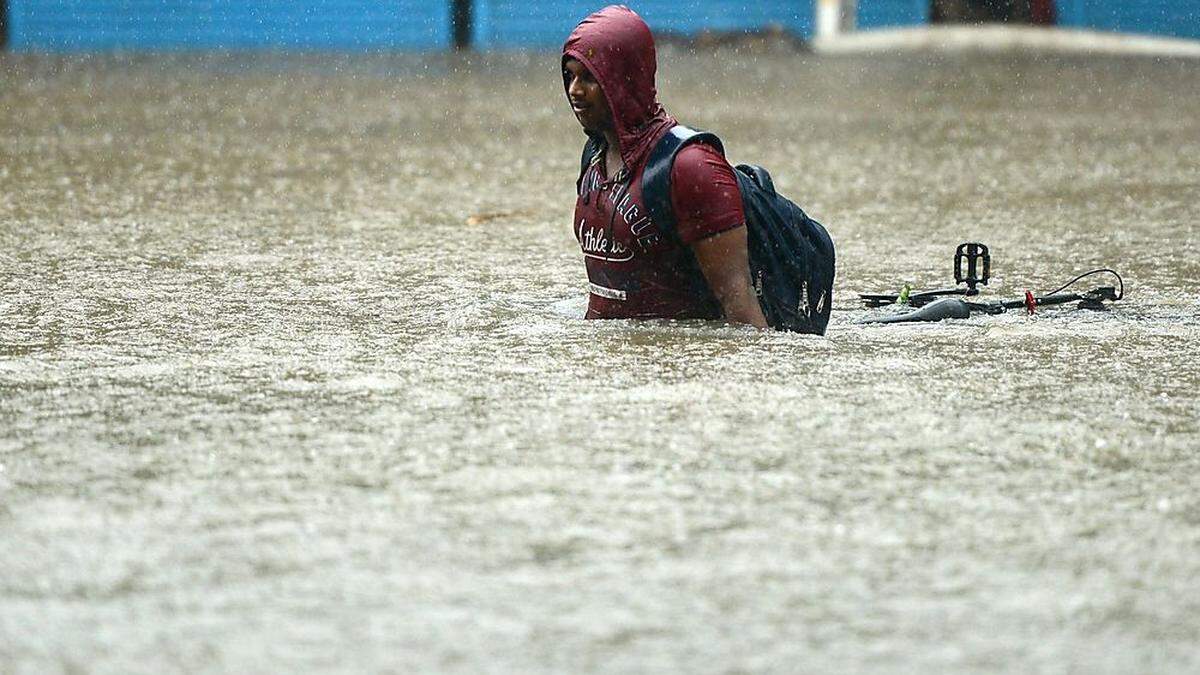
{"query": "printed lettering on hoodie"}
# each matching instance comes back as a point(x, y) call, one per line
point(602, 239)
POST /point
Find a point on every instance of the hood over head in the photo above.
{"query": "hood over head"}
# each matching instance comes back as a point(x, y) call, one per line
point(616, 46)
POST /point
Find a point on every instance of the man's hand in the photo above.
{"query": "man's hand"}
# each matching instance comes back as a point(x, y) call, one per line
point(725, 261)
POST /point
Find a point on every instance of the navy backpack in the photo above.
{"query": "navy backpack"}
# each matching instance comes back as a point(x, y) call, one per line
point(791, 255)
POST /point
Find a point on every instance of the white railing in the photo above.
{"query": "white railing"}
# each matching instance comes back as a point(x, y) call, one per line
point(835, 17)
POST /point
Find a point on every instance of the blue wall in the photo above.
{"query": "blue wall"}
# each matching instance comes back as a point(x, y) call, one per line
point(1180, 18)
point(885, 13)
point(82, 25)
point(522, 23)
point(78, 25)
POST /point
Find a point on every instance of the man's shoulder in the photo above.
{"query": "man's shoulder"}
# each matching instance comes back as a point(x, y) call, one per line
point(697, 150)
point(699, 163)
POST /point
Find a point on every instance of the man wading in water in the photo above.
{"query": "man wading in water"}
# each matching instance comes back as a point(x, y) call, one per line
point(608, 68)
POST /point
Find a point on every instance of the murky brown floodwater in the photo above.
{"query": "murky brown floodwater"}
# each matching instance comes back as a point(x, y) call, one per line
point(269, 403)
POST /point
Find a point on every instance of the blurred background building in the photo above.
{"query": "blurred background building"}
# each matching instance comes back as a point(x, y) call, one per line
point(356, 25)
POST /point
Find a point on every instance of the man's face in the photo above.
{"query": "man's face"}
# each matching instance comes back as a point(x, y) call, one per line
point(587, 98)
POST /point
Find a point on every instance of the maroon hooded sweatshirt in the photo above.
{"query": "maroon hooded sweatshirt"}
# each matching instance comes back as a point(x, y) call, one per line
point(633, 272)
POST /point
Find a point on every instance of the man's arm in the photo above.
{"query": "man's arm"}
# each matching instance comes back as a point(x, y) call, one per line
point(710, 218)
point(725, 261)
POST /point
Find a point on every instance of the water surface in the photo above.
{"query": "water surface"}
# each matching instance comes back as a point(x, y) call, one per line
point(292, 376)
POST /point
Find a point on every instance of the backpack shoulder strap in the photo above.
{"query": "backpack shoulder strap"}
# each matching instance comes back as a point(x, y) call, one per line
point(656, 179)
point(590, 150)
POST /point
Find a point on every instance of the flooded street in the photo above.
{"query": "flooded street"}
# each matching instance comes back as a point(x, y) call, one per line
point(293, 376)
